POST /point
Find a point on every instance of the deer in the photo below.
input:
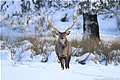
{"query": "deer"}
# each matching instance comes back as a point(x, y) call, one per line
point(63, 47)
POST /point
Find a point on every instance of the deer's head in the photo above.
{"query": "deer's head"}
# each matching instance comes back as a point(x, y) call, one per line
point(62, 35)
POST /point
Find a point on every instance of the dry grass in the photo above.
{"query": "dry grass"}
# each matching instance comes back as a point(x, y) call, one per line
point(4, 38)
point(89, 46)
point(110, 50)
point(93, 45)
point(115, 45)
point(40, 44)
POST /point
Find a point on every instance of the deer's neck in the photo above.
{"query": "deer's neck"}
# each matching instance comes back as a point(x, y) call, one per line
point(63, 43)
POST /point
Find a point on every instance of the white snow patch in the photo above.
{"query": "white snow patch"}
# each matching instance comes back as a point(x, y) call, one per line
point(53, 71)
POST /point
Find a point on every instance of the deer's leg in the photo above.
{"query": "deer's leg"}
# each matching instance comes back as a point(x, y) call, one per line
point(69, 57)
point(67, 61)
point(62, 62)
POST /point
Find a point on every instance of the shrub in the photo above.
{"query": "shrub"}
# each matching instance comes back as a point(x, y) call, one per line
point(108, 52)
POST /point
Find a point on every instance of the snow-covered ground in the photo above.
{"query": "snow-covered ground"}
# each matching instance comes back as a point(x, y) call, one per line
point(53, 71)
point(33, 69)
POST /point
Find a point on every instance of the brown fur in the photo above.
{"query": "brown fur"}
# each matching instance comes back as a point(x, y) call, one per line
point(63, 50)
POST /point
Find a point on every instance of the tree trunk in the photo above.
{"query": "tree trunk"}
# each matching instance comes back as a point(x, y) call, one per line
point(90, 27)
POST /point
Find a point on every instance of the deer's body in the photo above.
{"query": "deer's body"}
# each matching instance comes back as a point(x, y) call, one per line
point(63, 48)
point(64, 52)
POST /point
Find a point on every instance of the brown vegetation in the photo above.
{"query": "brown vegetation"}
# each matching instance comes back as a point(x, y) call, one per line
point(110, 51)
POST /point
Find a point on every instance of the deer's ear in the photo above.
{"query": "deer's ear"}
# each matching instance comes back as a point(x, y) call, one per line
point(56, 32)
point(68, 32)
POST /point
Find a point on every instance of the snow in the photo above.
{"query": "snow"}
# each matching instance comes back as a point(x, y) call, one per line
point(52, 71)
point(23, 65)
point(108, 29)
point(34, 69)
point(12, 8)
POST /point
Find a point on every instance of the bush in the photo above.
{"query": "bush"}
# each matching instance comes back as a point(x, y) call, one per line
point(108, 52)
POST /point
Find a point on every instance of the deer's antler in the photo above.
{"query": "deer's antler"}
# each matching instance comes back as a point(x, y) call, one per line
point(52, 25)
point(73, 23)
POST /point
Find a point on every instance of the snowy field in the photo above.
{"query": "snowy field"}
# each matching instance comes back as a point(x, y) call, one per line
point(53, 71)
point(34, 69)
point(20, 66)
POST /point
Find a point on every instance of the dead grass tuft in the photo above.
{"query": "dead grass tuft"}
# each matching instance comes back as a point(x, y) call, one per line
point(110, 51)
